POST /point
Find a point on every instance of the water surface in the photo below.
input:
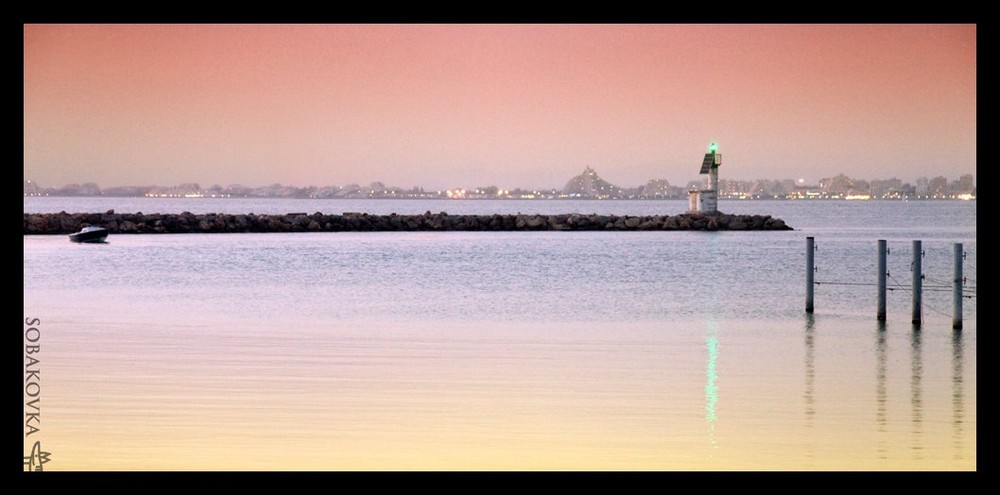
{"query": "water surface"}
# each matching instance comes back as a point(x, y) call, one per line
point(510, 350)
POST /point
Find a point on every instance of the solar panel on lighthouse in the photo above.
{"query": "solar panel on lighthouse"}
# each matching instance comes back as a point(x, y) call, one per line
point(706, 165)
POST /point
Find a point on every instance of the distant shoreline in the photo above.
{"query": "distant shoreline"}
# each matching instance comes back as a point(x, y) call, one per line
point(438, 198)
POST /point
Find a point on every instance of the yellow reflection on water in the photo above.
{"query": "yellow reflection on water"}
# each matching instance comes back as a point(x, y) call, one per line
point(810, 384)
point(957, 395)
point(508, 397)
point(916, 394)
point(881, 392)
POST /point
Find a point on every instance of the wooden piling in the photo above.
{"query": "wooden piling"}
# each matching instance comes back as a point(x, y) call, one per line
point(810, 271)
point(917, 282)
point(880, 315)
point(956, 283)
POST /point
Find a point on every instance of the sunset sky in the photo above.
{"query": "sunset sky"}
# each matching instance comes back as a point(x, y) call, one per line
point(510, 105)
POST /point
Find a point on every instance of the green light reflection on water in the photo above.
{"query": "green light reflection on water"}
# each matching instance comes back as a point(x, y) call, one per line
point(711, 377)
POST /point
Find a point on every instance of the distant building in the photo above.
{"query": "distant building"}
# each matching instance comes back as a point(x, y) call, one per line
point(838, 186)
point(885, 189)
point(33, 189)
point(589, 185)
point(964, 185)
point(660, 188)
point(938, 187)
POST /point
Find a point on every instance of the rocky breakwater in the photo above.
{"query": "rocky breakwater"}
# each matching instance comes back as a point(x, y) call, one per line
point(185, 223)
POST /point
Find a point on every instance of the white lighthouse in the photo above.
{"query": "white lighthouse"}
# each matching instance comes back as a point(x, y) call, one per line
point(706, 200)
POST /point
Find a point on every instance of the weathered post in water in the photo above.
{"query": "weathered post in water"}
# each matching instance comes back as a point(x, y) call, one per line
point(917, 282)
point(880, 315)
point(956, 284)
point(810, 249)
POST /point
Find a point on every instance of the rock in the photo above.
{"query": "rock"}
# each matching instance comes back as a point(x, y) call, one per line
point(64, 223)
point(777, 224)
point(534, 222)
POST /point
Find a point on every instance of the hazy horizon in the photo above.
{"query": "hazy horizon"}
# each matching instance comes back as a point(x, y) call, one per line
point(696, 178)
point(443, 106)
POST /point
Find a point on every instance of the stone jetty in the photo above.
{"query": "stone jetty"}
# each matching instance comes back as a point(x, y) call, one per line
point(187, 223)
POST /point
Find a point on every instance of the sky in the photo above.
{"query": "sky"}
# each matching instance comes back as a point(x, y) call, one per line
point(512, 105)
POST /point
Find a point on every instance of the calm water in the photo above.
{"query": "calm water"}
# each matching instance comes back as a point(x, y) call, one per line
point(514, 350)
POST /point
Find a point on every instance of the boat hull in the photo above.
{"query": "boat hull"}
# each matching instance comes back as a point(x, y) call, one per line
point(89, 236)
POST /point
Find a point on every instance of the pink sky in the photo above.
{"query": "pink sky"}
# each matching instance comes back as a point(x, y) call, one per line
point(509, 105)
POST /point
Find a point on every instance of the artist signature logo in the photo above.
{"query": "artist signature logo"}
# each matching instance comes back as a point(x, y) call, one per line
point(33, 393)
point(37, 458)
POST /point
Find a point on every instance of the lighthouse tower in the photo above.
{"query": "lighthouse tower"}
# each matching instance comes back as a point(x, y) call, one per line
point(707, 200)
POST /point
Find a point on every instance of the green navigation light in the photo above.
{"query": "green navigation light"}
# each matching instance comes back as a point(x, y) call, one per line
point(712, 147)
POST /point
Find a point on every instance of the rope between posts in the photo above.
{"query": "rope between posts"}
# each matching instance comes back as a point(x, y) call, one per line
point(933, 288)
point(922, 303)
point(947, 283)
point(842, 283)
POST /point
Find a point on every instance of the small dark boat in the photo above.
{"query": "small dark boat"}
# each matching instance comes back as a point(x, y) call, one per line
point(90, 234)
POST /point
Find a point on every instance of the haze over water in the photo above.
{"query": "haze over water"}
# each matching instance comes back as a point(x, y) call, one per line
point(510, 105)
point(505, 350)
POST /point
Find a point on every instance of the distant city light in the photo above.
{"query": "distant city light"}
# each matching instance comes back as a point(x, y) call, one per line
point(588, 184)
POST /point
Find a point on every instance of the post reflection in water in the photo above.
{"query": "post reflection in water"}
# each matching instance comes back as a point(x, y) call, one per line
point(957, 393)
point(916, 394)
point(881, 397)
point(711, 388)
point(808, 395)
